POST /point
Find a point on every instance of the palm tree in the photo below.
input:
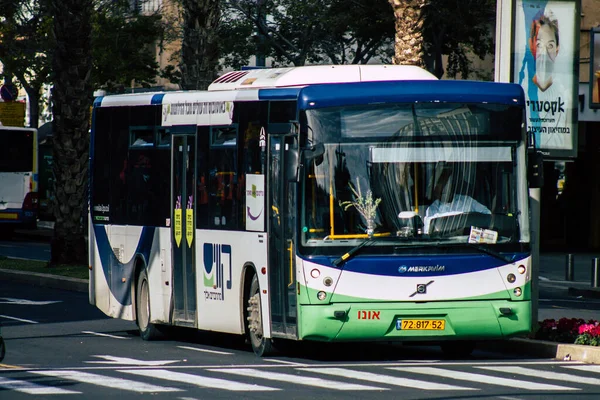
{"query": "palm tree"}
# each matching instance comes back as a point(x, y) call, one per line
point(71, 101)
point(200, 47)
point(409, 45)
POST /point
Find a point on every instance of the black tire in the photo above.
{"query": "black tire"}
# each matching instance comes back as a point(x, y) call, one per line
point(2, 349)
point(458, 349)
point(261, 346)
point(148, 331)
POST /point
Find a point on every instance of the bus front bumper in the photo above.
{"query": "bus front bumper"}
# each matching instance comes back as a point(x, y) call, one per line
point(456, 320)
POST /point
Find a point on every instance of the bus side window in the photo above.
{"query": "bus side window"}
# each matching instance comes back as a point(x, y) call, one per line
point(222, 178)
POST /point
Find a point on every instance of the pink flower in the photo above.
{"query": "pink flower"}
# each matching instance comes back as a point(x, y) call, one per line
point(586, 328)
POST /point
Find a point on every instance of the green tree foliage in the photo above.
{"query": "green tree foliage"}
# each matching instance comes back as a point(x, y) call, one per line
point(458, 28)
point(298, 32)
point(24, 43)
point(123, 46)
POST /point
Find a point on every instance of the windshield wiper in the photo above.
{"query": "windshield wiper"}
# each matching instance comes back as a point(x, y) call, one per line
point(491, 252)
point(352, 252)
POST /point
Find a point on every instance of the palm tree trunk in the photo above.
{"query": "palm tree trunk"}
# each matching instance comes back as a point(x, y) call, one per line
point(408, 47)
point(71, 101)
point(200, 49)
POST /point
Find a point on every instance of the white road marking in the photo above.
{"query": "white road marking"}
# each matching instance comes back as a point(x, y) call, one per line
point(557, 376)
point(131, 361)
point(104, 335)
point(285, 362)
point(585, 368)
point(205, 350)
point(479, 378)
point(390, 380)
point(198, 380)
point(32, 388)
point(19, 319)
point(295, 379)
point(25, 302)
point(107, 381)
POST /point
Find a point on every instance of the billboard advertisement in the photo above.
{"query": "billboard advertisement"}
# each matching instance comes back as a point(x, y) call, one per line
point(595, 68)
point(545, 59)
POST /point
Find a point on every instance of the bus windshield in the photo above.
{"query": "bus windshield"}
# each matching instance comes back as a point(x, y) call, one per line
point(420, 178)
point(16, 153)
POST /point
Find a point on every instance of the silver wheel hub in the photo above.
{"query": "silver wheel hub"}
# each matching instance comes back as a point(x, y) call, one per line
point(254, 316)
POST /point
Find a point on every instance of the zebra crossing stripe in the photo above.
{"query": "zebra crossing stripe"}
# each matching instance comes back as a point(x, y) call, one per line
point(479, 378)
point(387, 379)
point(295, 379)
point(107, 381)
point(31, 388)
point(197, 380)
point(585, 368)
point(557, 376)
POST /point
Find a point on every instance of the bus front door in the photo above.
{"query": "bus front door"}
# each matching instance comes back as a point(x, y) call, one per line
point(183, 229)
point(282, 265)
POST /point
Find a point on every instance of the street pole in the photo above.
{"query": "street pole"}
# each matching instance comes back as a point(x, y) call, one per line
point(535, 195)
point(502, 68)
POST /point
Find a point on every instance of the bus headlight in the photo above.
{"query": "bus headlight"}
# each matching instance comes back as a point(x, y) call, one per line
point(511, 278)
point(321, 295)
point(315, 273)
point(521, 269)
point(518, 292)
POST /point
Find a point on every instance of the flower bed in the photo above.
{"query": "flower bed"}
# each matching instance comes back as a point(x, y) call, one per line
point(569, 330)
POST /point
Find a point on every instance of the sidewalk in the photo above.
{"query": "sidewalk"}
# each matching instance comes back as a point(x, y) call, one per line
point(554, 268)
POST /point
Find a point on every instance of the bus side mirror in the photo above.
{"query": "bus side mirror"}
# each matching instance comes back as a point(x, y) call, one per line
point(313, 152)
point(535, 169)
point(291, 164)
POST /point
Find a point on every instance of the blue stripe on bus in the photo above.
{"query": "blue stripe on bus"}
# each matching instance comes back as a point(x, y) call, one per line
point(121, 292)
point(157, 99)
point(447, 264)
point(330, 95)
point(98, 101)
point(279, 94)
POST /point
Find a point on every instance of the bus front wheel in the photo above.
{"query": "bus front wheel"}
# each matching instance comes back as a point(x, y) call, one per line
point(260, 345)
point(148, 331)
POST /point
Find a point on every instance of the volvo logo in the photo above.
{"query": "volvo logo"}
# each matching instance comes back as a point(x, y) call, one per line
point(421, 288)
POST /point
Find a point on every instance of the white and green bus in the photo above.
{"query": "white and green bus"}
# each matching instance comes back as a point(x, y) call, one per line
point(318, 203)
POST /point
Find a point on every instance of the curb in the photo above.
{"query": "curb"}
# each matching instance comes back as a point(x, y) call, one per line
point(588, 293)
point(543, 349)
point(46, 280)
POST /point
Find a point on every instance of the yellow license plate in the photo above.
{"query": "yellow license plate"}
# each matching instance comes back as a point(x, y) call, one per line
point(9, 216)
point(420, 324)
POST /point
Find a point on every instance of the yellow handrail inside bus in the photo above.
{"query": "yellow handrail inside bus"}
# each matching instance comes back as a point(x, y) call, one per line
point(358, 236)
point(416, 187)
point(331, 198)
point(291, 250)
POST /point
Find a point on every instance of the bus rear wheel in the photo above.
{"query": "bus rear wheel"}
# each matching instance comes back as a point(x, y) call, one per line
point(148, 330)
point(260, 345)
